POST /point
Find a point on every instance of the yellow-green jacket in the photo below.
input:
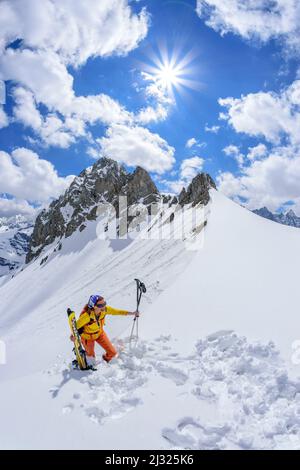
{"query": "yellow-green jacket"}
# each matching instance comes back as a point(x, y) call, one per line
point(90, 326)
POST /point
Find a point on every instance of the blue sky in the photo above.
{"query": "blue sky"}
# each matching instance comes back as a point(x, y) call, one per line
point(250, 62)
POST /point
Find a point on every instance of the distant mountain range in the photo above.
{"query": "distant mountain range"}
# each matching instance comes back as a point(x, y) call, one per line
point(15, 235)
point(289, 218)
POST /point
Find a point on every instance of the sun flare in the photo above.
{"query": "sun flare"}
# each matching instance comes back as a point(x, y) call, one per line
point(168, 75)
point(172, 72)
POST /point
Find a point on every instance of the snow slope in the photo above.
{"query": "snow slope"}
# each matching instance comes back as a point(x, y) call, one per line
point(204, 373)
point(245, 279)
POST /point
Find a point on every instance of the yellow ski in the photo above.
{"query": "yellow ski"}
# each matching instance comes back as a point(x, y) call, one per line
point(78, 348)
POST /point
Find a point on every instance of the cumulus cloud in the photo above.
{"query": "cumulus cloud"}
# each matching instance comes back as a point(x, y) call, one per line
point(257, 152)
point(61, 131)
point(3, 118)
point(158, 97)
point(212, 129)
point(189, 168)
point(191, 142)
point(272, 181)
point(51, 83)
point(156, 89)
point(136, 145)
point(12, 207)
point(26, 176)
point(151, 114)
point(272, 115)
point(75, 30)
point(259, 19)
point(55, 34)
point(234, 151)
point(51, 129)
point(268, 177)
point(99, 108)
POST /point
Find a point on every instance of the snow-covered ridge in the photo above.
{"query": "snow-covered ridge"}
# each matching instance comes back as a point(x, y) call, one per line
point(214, 363)
point(104, 183)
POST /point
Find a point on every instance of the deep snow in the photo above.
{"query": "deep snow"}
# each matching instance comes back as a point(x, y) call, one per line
point(205, 372)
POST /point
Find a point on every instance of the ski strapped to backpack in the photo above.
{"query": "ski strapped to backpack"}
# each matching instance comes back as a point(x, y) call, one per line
point(140, 290)
point(78, 349)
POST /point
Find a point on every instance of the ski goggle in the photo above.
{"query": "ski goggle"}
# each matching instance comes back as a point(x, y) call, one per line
point(101, 305)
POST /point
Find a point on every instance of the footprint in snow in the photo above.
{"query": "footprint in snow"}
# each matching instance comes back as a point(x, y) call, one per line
point(176, 375)
point(124, 406)
point(95, 414)
point(68, 409)
point(191, 434)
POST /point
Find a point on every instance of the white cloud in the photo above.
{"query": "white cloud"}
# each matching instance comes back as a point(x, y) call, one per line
point(137, 146)
point(57, 33)
point(157, 96)
point(257, 152)
point(270, 182)
point(51, 129)
point(4, 121)
point(194, 143)
point(51, 83)
point(231, 150)
point(12, 207)
point(75, 30)
point(267, 177)
point(156, 90)
point(99, 108)
point(255, 19)
point(93, 152)
point(234, 151)
point(189, 168)
point(212, 129)
point(191, 142)
point(25, 110)
point(63, 131)
point(26, 176)
point(150, 114)
point(268, 114)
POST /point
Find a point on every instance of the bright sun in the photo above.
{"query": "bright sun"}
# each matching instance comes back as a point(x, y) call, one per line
point(171, 72)
point(168, 75)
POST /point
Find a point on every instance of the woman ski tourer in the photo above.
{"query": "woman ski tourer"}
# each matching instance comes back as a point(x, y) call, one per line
point(90, 327)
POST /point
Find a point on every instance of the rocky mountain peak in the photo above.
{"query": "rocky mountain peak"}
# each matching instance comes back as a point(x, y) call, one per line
point(103, 182)
point(291, 213)
point(198, 190)
point(264, 212)
point(141, 187)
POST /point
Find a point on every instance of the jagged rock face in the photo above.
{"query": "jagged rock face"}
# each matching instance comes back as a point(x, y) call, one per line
point(105, 181)
point(290, 218)
point(198, 190)
point(140, 186)
point(169, 199)
point(264, 212)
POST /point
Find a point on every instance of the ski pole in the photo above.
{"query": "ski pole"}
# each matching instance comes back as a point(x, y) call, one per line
point(140, 289)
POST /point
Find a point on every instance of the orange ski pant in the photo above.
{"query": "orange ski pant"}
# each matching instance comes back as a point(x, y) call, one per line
point(104, 342)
